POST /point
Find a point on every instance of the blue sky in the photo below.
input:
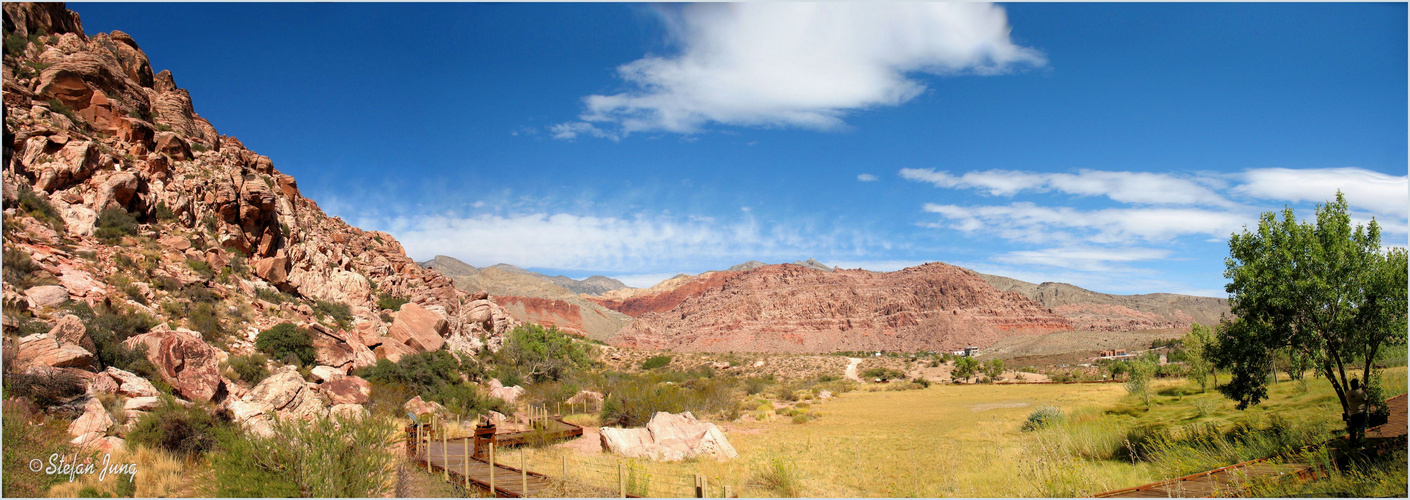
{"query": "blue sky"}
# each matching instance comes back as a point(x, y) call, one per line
point(1112, 146)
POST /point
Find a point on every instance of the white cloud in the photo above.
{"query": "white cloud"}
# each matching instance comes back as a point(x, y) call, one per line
point(866, 177)
point(1126, 187)
point(1374, 191)
point(572, 130)
point(1030, 223)
point(638, 245)
point(1082, 258)
point(801, 64)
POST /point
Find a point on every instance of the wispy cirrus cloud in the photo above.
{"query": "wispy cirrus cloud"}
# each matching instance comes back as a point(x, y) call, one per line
point(799, 64)
point(1126, 187)
point(1374, 191)
point(1030, 223)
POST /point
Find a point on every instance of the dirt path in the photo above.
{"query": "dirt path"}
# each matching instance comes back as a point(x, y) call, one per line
point(851, 372)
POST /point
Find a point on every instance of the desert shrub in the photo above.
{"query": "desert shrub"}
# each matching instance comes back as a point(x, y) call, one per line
point(435, 376)
point(634, 403)
point(20, 271)
point(185, 430)
point(323, 457)
point(272, 296)
point(778, 476)
point(251, 367)
point(38, 207)
point(883, 373)
point(286, 340)
point(655, 362)
point(921, 381)
point(201, 267)
point(755, 385)
point(162, 212)
point(387, 399)
point(109, 328)
point(543, 354)
point(204, 319)
point(338, 310)
point(1043, 416)
point(391, 302)
point(44, 389)
point(113, 224)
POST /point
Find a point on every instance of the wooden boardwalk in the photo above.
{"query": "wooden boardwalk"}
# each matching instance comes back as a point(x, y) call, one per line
point(461, 463)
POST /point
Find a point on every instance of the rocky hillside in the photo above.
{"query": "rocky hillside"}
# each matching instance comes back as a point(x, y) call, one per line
point(534, 298)
point(120, 198)
point(1095, 311)
point(792, 308)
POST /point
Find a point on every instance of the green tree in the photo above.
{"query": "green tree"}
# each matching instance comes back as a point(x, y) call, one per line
point(965, 367)
point(1138, 382)
point(543, 354)
point(1323, 290)
point(1199, 343)
point(993, 369)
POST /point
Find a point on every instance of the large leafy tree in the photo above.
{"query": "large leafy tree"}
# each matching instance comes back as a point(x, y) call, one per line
point(1322, 290)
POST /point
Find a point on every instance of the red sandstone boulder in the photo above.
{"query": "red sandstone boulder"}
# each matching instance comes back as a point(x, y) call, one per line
point(347, 390)
point(391, 350)
point(43, 350)
point(189, 364)
point(419, 328)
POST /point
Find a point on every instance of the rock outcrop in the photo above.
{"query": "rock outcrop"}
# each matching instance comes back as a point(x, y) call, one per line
point(669, 437)
point(287, 393)
point(189, 364)
point(1096, 311)
point(791, 308)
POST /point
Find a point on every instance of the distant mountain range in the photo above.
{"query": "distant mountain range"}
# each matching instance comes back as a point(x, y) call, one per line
point(807, 306)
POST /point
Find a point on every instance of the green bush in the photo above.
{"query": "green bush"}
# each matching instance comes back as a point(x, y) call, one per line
point(162, 212)
point(388, 301)
point(634, 403)
point(251, 367)
point(272, 296)
point(113, 224)
point(778, 476)
point(44, 389)
point(1042, 417)
point(543, 354)
point(19, 270)
point(435, 376)
point(883, 374)
point(338, 310)
point(321, 458)
point(39, 208)
point(655, 362)
point(185, 430)
point(29, 434)
point(285, 340)
point(201, 267)
point(204, 319)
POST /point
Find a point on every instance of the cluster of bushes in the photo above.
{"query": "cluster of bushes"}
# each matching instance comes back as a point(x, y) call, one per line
point(390, 302)
point(251, 367)
point(655, 362)
point(39, 208)
point(21, 272)
point(113, 224)
point(439, 376)
point(883, 374)
point(287, 343)
point(338, 310)
point(535, 354)
point(187, 430)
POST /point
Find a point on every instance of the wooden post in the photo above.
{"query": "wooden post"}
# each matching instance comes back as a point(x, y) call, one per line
point(465, 445)
point(728, 493)
point(445, 456)
point(621, 480)
point(492, 491)
point(704, 486)
point(565, 466)
point(523, 473)
point(416, 447)
point(699, 487)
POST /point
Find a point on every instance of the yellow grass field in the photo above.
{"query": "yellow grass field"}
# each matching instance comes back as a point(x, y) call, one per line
point(944, 441)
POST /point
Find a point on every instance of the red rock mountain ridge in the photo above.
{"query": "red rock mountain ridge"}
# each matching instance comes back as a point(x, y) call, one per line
point(791, 308)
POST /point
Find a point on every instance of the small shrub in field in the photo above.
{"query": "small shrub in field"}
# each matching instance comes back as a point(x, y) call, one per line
point(1143, 441)
point(285, 340)
point(164, 213)
point(272, 296)
point(113, 224)
point(251, 368)
point(1042, 417)
point(204, 319)
point(883, 374)
point(655, 362)
point(19, 270)
point(187, 431)
point(778, 476)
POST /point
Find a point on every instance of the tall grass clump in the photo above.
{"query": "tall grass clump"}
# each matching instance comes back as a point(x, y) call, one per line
point(184, 430)
point(322, 457)
point(778, 476)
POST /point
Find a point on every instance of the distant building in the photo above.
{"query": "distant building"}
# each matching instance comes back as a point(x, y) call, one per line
point(1112, 353)
point(971, 350)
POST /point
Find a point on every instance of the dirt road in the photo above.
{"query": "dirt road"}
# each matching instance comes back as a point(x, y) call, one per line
point(851, 372)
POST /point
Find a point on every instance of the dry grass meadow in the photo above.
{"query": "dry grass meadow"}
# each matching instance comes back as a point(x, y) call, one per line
point(950, 441)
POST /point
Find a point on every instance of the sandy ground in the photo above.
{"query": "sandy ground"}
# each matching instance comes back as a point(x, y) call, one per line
point(851, 371)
